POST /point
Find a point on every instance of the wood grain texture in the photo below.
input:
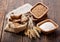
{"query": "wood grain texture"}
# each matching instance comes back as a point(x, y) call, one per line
point(6, 36)
point(2, 14)
point(53, 13)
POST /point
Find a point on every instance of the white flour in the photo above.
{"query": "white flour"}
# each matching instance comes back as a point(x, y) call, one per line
point(47, 26)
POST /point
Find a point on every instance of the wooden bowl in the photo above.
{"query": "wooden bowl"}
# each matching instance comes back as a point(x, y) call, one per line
point(39, 10)
point(48, 20)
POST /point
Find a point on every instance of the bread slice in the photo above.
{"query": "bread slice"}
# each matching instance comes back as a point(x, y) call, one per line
point(47, 25)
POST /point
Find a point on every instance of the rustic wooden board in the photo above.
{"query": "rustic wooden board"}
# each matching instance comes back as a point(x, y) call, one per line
point(54, 14)
point(9, 37)
point(2, 14)
point(1, 23)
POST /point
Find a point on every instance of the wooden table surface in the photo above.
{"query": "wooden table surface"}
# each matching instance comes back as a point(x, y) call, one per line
point(53, 13)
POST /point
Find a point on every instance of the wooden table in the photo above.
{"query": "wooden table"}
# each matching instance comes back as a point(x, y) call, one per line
point(8, 5)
